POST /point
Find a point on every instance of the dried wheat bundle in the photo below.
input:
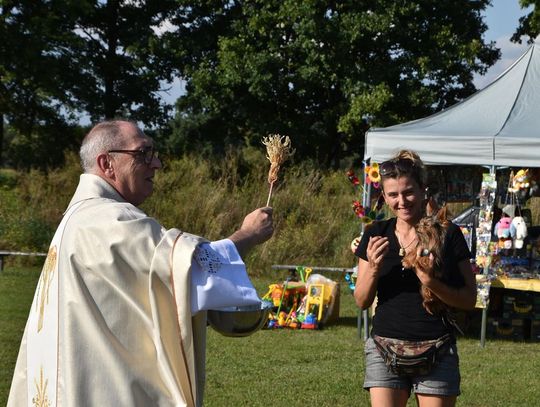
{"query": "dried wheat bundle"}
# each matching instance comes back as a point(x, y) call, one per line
point(278, 150)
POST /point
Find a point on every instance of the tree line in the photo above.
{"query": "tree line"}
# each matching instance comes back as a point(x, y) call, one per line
point(321, 72)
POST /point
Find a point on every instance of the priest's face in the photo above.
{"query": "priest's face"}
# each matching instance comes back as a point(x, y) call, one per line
point(134, 165)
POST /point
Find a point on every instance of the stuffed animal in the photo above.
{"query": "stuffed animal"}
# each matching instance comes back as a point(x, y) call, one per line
point(502, 230)
point(518, 231)
point(520, 181)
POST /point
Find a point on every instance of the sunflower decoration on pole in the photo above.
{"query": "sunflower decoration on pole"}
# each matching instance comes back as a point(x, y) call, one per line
point(278, 150)
point(367, 215)
point(372, 177)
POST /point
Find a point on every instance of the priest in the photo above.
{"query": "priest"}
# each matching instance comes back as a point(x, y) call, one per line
point(118, 317)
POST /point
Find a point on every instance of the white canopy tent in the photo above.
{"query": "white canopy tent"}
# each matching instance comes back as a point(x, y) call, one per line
point(496, 126)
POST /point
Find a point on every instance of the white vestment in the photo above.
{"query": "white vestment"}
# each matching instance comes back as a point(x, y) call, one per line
point(118, 315)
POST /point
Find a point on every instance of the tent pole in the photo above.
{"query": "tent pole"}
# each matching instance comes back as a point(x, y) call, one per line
point(485, 309)
point(366, 197)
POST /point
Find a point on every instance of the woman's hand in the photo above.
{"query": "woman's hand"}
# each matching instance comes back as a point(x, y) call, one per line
point(424, 267)
point(376, 250)
point(463, 297)
point(368, 271)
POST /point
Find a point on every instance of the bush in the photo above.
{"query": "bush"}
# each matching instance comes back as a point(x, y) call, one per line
point(314, 223)
point(313, 219)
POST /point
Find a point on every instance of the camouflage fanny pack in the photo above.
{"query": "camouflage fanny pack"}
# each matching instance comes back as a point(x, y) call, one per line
point(408, 358)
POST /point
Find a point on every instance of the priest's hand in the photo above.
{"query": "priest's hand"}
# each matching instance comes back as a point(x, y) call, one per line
point(256, 228)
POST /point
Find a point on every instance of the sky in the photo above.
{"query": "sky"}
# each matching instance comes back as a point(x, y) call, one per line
point(502, 19)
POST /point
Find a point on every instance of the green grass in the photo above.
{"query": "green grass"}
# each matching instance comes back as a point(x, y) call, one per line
point(302, 368)
point(16, 292)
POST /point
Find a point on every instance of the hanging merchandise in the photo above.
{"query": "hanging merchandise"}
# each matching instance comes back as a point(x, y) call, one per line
point(512, 228)
point(482, 287)
point(520, 181)
point(519, 186)
point(502, 231)
point(485, 252)
point(518, 232)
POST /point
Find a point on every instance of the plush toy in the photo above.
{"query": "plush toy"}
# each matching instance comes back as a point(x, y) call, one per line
point(520, 181)
point(502, 230)
point(518, 231)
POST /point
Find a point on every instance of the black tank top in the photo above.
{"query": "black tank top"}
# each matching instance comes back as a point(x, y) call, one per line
point(399, 313)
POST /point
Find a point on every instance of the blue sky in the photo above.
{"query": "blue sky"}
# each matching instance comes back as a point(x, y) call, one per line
point(502, 18)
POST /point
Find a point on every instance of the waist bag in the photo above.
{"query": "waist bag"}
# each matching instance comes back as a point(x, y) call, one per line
point(412, 358)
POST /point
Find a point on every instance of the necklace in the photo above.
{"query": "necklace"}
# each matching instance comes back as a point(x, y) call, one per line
point(403, 249)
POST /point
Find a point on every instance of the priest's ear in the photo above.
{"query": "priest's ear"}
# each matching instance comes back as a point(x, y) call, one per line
point(104, 165)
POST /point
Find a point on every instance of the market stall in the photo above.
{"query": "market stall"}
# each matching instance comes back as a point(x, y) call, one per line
point(497, 127)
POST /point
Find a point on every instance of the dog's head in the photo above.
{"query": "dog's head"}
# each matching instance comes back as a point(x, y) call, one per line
point(430, 232)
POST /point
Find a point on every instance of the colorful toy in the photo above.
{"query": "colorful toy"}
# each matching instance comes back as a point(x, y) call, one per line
point(518, 231)
point(282, 318)
point(310, 322)
point(502, 228)
point(350, 278)
point(520, 181)
point(275, 293)
point(272, 321)
point(292, 321)
point(315, 297)
point(285, 299)
point(301, 270)
point(300, 301)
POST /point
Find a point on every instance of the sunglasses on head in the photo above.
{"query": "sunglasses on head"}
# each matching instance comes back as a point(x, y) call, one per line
point(394, 167)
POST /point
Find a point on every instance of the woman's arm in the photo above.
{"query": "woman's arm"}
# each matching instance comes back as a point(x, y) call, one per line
point(463, 297)
point(368, 271)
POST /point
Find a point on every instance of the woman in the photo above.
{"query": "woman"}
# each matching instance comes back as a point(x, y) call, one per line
point(400, 313)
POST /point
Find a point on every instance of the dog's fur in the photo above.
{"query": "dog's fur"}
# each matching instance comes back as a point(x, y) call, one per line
point(430, 232)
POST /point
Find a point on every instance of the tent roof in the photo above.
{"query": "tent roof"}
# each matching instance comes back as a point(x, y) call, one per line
point(498, 125)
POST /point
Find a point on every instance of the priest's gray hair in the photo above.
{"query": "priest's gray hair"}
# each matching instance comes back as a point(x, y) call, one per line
point(103, 137)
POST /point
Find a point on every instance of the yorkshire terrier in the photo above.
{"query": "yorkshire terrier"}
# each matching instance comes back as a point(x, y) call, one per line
point(430, 232)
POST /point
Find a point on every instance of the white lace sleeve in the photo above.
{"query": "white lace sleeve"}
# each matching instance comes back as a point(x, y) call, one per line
point(219, 278)
point(208, 259)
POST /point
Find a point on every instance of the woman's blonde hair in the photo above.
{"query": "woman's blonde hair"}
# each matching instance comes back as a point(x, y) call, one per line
point(396, 168)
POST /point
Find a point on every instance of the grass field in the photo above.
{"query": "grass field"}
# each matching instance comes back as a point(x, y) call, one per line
point(302, 368)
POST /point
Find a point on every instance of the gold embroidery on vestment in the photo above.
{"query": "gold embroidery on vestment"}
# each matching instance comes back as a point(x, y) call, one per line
point(41, 399)
point(47, 274)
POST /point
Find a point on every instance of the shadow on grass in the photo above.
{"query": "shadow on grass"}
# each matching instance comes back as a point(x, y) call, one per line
point(346, 321)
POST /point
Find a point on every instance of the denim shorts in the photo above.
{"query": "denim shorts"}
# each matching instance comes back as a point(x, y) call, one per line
point(443, 380)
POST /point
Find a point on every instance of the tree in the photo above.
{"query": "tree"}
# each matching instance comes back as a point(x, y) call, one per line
point(61, 59)
point(322, 72)
point(529, 25)
point(31, 94)
point(118, 61)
